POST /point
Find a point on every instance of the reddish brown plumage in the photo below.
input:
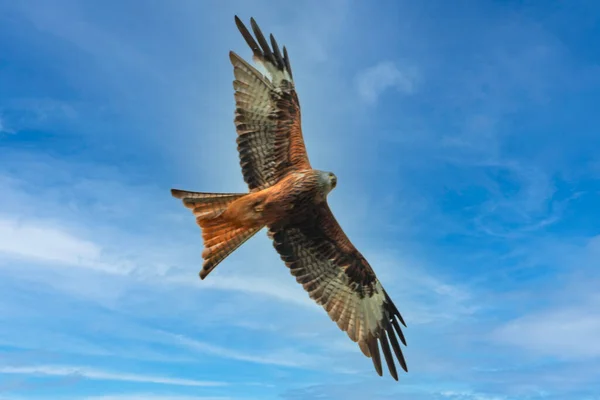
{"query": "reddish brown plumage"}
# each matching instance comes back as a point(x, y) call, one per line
point(290, 199)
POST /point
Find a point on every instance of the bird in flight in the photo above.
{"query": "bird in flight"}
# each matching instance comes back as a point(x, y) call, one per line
point(288, 197)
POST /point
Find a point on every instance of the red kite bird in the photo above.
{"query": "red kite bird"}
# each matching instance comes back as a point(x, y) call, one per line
point(289, 197)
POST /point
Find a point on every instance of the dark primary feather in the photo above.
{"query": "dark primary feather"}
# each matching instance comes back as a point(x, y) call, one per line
point(268, 55)
point(286, 58)
point(385, 346)
point(248, 37)
point(277, 53)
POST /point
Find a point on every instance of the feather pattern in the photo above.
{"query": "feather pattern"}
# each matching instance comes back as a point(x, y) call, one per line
point(267, 115)
point(337, 276)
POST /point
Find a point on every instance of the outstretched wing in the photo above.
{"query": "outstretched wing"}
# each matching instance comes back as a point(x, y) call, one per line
point(338, 277)
point(267, 115)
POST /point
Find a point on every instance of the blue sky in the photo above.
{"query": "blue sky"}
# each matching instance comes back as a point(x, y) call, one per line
point(465, 140)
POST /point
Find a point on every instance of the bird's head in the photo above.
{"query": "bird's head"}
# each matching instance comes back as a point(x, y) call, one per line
point(328, 180)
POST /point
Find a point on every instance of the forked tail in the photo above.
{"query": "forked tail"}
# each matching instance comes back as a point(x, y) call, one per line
point(220, 236)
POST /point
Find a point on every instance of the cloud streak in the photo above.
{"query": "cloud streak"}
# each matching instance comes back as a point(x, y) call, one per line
point(45, 243)
point(101, 375)
point(286, 358)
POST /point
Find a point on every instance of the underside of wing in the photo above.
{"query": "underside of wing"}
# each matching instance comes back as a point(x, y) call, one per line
point(267, 115)
point(339, 278)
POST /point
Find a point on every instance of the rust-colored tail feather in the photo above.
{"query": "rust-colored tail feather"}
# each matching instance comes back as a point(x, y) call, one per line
point(220, 236)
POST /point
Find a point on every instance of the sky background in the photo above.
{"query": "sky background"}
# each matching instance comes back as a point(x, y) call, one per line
point(465, 137)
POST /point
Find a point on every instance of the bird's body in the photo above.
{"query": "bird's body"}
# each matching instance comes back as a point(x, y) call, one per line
point(289, 197)
point(283, 203)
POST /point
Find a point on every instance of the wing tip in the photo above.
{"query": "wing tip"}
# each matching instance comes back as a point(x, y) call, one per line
point(387, 335)
point(233, 57)
point(262, 51)
point(204, 272)
point(177, 193)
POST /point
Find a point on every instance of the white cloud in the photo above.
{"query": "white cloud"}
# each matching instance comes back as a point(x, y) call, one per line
point(48, 242)
point(101, 375)
point(286, 358)
point(45, 243)
point(373, 81)
point(566, 333)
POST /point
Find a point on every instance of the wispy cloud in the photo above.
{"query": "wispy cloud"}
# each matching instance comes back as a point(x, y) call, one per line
point(375, 80)
point(565, 333)
point(30, 240)
point(101, 375)
point(286, 358)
